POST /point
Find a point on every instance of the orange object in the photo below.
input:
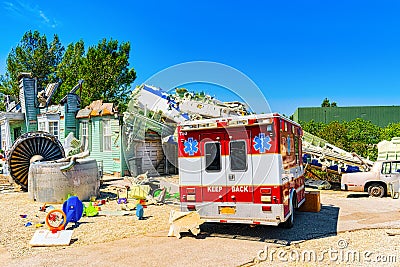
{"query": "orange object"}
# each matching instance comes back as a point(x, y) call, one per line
point(56, 220)
point(312, 203)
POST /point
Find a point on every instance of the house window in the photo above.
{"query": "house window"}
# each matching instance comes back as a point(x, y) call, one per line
point(213, 156)
point(238, 155)
point(53, 128)
point(106, 135)
point(42, 126)
point(85, 135)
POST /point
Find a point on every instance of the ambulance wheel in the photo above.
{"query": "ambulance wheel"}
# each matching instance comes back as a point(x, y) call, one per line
point(290, 221)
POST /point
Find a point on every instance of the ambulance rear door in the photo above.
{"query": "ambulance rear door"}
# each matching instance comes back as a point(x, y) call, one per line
point(238, 166)
point(213, 176)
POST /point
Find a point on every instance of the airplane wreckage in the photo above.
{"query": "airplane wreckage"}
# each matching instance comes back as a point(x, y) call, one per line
point(153, 110)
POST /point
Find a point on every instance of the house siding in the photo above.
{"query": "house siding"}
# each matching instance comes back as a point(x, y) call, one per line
point(113, 162)
point(27, 95)
point(70, 110)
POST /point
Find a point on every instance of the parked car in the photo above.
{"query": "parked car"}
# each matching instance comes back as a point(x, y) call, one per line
point(376, 182)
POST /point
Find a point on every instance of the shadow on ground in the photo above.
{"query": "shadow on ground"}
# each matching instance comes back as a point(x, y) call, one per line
point(308, 225)
point(358, 195)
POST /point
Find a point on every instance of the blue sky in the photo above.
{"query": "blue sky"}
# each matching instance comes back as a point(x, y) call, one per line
point(297, 52)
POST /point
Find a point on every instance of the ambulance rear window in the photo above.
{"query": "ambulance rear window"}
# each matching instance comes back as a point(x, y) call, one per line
point(238, 155)
point(213, 156)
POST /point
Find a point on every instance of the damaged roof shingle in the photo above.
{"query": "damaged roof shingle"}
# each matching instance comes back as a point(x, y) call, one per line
point(97, 108)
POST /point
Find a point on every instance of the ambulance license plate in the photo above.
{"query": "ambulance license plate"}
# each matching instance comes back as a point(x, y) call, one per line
point(227, 210)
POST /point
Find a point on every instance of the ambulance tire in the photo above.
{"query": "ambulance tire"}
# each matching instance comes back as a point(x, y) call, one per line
point(290, 221)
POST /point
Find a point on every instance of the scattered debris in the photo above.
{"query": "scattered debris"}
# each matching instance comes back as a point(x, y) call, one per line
point(44, 237)
point(184, 222)
point(72, 211)
point(90, 211)
point(312, 203)
point(318, 184)
point(392, 233)
point(139, 211)
point(122, 200)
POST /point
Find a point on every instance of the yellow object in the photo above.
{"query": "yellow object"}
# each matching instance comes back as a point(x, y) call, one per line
point(227, 210)
point(312, 203)
point(38, 225)
point(138, 191)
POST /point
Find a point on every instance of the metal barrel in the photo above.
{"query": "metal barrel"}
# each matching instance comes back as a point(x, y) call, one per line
point(30, 147)
point(47, 182)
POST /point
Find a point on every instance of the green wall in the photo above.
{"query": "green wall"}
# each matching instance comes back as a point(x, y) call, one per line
point(378, 115)
point(113, 161)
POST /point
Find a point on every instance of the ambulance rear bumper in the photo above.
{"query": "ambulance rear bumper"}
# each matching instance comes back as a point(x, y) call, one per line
point(245, 213)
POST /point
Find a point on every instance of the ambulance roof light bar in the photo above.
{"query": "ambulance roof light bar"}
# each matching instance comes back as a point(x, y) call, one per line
point(228, 122)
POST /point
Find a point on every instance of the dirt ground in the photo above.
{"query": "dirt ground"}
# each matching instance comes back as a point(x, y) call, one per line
point(350, 229)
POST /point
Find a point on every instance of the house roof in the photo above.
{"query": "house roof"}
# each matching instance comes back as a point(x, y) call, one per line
point(12, 116)
point(96, 108)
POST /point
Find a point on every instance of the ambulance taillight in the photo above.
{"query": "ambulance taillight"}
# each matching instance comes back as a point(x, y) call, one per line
point(266, 195)
point(191, 194)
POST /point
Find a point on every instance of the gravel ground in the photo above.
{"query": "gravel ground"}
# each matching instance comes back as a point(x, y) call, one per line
point(373, 247)
point(15, 237)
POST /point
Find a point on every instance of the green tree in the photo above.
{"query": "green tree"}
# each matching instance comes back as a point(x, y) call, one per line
point(357, 136)
point(390, 131)
point(2, 104)
point(69, 71)
point(335, 133)
point(33, 54)
point(326, 103)
point(107, 74)
point(363, 136)
point(104, 69)
point(312, 127)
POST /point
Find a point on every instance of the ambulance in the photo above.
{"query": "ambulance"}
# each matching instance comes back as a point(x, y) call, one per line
point(242, 169)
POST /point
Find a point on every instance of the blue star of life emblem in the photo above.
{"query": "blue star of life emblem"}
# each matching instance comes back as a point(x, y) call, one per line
point(262, 143)
point(191, 146)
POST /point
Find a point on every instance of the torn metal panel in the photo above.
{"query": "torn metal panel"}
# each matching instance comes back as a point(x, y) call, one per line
point(73, 90)
point(389, 150)
point(318, 153)
point(44, 96)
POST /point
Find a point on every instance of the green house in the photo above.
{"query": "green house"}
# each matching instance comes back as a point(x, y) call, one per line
point(100, 132)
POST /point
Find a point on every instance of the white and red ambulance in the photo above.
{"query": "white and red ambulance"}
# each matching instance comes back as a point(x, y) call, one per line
point(244, 169)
